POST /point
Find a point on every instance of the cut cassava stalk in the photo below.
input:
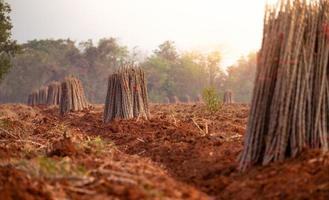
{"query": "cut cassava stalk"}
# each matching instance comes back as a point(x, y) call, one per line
point(199, 98)
point(289, 109)
point(228, 97)
point(38, 97)
point(42, 99)
point(33, 99)
point(54, 93)
point(187, 99)
point(72, 96)
point(126, 95)
point(174, 100)
point(166, 100)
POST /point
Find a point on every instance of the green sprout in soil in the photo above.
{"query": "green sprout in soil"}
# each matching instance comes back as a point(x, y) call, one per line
point(212, 100)
point(98, 146)
point(51, 168)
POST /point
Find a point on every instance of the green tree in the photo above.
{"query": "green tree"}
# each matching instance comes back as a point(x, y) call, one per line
point(102, 60)
point(171, 73)
point(40, 62)
point(8, 47)
point(167, 50)
point(191, 74)
point(214, 59)
point(159, 67)
point(111, 52)
point(157, 71)
point(43, 61)
point(241, 77)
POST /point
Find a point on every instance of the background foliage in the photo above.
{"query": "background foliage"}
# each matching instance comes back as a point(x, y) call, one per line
point(8, 47)
point(211, 99)
point(169, 72)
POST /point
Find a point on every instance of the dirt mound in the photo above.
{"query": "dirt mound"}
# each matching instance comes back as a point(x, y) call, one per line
point(176, 138)
point(304, 178)
point(134, 177)
point(200, 149)
point(16, 184)
point(63, 147)
point(182, 152)
point(18, 112)
point(101, 171)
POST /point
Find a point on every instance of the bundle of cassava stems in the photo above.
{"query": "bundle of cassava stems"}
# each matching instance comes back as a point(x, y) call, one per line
point(126, 95)
point(68, 94)
point(290, 110)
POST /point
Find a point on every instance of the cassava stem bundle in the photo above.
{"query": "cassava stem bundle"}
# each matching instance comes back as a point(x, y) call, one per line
point(290, 108)
point(54, 93)
point(38, 97)
point(33, 99)
point(72, 96)
point(228, 99)
point(126, 95)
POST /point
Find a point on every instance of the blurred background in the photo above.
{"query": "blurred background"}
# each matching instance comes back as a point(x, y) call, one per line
point(184, 46)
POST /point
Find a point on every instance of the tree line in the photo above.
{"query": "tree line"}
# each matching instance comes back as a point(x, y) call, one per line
point(169, 72)
point(8, 46)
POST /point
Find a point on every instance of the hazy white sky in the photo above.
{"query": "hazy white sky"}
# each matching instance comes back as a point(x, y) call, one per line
point(233, 26)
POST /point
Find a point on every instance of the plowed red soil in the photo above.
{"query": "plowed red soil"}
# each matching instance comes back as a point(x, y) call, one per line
point(182, 152)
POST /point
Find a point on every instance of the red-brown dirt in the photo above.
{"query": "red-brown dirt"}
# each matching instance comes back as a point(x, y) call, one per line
point(182, 152)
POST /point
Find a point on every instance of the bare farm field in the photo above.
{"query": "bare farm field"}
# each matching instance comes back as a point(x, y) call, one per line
point(181, 152)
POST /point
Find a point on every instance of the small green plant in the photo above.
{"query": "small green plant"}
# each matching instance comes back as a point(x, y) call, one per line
point(4, 123)
point(211, 99)
point(28, 150)
point(99, 146)
point(152, 190)
point(64, 167)
point(63, 128)
point(47, 166)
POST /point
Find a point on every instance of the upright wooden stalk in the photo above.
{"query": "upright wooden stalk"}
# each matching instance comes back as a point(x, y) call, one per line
point(289, 110)
point(228, 99)
point(126, 95)
point(42, 99)
point(33, 98)
point(54, 93)
point(72, 96)
point(174, 100)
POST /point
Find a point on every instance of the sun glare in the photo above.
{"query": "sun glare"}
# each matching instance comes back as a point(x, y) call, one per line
point(234, 27)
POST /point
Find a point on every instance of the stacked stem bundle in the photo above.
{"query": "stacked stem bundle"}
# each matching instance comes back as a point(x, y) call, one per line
point(72, 96)
point(187, 99)
point(54, 93)
point(174, 100)
point(228, 97)
point(199, 98)
point(43, 92)
point(126, 95)
point(38, 97)
point(33, 99)
point(166, 100)
point(290, 108)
